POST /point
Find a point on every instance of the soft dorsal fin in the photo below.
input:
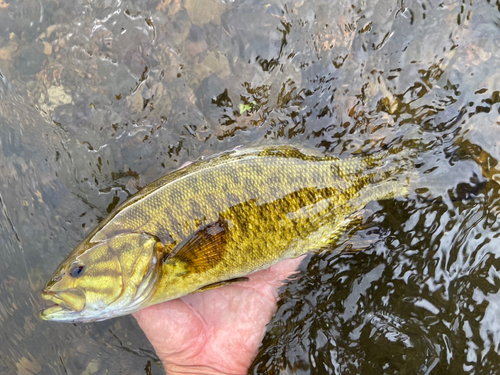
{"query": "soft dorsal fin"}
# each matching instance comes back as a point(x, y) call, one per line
point(202, 250)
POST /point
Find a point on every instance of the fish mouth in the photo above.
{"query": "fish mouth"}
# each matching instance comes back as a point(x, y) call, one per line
point(67, 305)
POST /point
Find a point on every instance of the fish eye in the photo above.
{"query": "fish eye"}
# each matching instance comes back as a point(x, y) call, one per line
point(76, 270)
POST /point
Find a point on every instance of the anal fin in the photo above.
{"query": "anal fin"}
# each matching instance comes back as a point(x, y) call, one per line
point(343, 231)
point(347, 239)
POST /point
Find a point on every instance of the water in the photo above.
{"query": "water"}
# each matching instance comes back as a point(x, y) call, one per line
point(99, 98)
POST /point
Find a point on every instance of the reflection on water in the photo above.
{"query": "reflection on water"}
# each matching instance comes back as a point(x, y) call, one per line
point(99, 98)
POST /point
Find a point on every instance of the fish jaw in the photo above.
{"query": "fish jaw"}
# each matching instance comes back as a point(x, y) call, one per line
point(68, 305)
point(58, 314)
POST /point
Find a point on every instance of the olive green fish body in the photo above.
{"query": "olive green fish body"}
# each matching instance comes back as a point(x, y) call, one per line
point(240, 212)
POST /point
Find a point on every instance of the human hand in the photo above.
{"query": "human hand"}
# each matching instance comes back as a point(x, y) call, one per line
point(218, 331)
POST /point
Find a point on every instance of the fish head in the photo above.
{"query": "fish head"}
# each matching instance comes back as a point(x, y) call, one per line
point(111, 278)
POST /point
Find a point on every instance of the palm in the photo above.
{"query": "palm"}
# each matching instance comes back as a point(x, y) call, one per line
point(217, 331)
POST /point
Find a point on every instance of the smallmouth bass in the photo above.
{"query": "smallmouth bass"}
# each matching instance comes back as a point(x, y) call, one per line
point(213, 223)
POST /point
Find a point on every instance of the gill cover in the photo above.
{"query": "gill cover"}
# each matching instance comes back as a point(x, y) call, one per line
point(112, 278)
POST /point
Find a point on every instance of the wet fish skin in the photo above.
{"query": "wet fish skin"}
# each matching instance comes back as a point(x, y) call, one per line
point(215, 221)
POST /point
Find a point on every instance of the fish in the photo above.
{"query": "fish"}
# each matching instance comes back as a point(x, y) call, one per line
point(213, 223)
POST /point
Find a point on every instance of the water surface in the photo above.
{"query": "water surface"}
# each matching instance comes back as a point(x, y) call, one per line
point(100, 98)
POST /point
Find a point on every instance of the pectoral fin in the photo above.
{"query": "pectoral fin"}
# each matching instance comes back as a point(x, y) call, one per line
point(203, 250)
point(222, 283)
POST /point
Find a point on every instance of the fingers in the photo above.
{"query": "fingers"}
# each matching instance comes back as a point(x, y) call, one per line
point(286, 268)
point(278, 273)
